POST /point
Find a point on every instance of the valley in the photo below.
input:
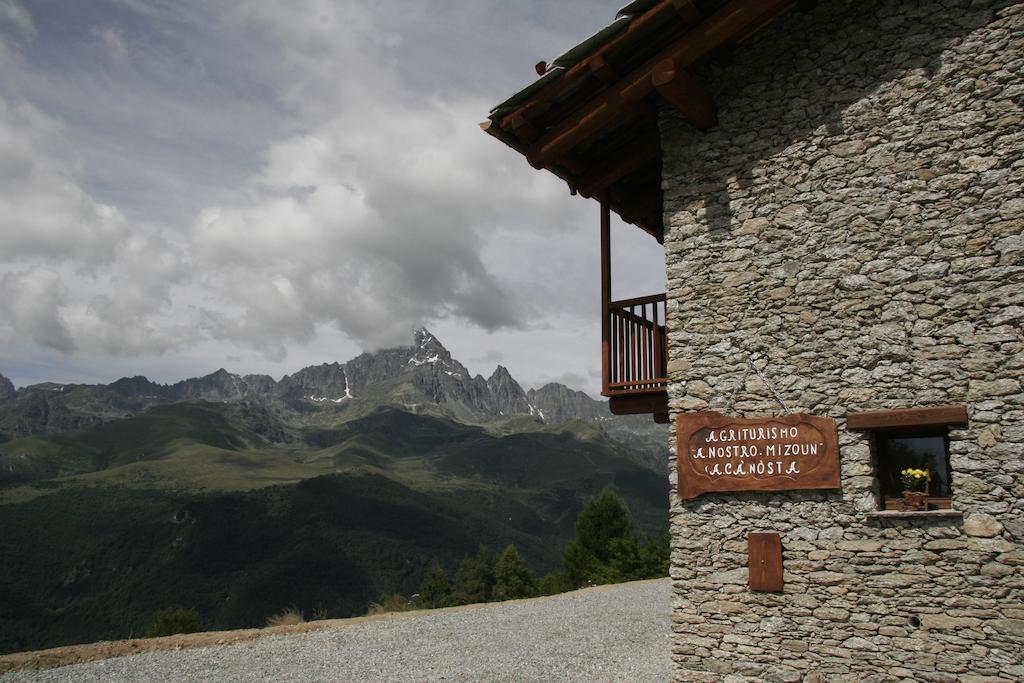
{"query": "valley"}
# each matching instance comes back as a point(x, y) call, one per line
point(241, 496)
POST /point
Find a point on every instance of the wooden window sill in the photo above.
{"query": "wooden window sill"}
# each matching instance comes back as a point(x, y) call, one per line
point(914, 514)
point(903, 418)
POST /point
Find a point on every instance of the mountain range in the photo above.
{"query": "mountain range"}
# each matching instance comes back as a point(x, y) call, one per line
point(242, 495)
point(421, 378)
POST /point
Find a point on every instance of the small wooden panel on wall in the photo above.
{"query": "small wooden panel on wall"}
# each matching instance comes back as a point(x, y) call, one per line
point(764, 559)
point(717, 453)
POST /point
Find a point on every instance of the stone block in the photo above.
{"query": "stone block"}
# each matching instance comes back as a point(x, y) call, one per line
point(944, 622)
point(831, 614)
point(722, 607)
point(826, 578)
point(983, 525)
point(860, 546)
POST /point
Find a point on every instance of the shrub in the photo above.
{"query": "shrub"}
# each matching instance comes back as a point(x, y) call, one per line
point(390, 602)
point(168, 622)
point(553, 583)
point(289, 616)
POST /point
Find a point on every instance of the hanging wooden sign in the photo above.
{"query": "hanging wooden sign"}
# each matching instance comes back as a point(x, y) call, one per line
point(779, 453)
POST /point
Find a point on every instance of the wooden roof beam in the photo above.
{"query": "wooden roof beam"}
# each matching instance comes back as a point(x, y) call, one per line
point(732, 19)
point(603, 70)
point(494, 130)
point(686, 9)
point(523, 128)
point(595, 182)
point(642, 208)
point(684, 92)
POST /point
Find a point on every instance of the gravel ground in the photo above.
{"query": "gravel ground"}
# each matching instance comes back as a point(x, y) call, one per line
point(613, 633)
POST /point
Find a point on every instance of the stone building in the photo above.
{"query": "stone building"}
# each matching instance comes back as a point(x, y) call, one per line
point(838, 188)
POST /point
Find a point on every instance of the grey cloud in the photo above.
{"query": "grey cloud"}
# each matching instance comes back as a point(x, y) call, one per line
point(45, 212)
point(570, 379)
point(31, 303)
point(389, 237)
point(257, 173)
point(13, 14)
point(490, 357)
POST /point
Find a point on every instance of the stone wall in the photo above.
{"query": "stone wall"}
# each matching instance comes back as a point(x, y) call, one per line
point(853, 229)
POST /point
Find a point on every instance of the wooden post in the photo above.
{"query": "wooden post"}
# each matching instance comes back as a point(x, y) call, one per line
point(606, 293)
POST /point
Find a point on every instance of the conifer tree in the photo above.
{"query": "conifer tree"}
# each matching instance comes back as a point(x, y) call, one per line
point(602, 521)
point(606, 550)
point(474, 582)
point(436, 589)
point(512, 578)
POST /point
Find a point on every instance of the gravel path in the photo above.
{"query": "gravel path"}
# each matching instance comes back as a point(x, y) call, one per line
point(613, 633)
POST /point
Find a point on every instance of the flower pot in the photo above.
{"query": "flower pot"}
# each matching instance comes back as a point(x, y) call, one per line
point(914, 500)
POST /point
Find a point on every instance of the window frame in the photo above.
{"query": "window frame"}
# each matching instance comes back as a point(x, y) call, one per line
point(889, 502)
point(909, 423)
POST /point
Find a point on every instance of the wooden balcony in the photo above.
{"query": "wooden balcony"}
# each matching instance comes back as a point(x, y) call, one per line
point(635, 357)
point(634, 345)
point(636, 348)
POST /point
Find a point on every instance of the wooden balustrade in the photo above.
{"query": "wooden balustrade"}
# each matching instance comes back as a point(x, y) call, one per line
point(635, 346)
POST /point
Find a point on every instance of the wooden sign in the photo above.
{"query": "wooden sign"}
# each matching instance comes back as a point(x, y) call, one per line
point(781, 453)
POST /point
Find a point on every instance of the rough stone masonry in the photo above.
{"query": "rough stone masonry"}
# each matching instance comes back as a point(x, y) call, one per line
point(849, 238)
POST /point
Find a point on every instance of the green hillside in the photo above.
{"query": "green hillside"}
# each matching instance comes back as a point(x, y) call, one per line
point(189, 504)
point(161, 432)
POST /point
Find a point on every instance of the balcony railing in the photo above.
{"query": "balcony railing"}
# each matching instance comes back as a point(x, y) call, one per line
point(635, 347)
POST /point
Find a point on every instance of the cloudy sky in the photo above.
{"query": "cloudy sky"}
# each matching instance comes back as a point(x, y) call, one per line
point(263, 185)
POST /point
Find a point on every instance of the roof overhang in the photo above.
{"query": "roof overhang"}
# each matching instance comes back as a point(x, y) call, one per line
point(592, 116)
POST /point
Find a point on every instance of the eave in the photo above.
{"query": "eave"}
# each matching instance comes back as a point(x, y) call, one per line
point(592, 116)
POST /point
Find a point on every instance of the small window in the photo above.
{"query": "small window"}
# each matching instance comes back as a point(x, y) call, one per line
point(920, 451)
point(911, 449)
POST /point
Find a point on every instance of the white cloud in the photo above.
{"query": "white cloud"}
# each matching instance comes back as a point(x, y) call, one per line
point(76, 277)
point(283, 183)
point(44, 210)
point(112, 41)
point(377, 214)
point(32, 304)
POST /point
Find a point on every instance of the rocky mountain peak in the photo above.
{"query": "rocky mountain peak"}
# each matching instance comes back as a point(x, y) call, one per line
point(509, 397)
point(430, 356)
point(558, 403)
point(428, 349)
point(501, 375)
point(135, 386)
point(217, 386)
point(6, 389)
point(318, 383)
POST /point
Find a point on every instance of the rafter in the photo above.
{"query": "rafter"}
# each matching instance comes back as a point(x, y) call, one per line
point(641, 207)
point(523, 128)
point(734, 18)
point(603, 70)
point(620, 166)
point(684, 92)
point(686, 9)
